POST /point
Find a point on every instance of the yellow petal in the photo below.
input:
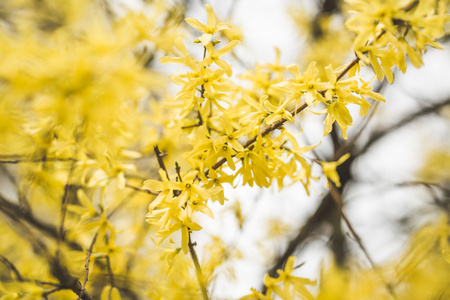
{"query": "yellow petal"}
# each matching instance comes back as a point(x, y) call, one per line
point(205, 38)
point(228, 48)
point(211, 16)
point(184, 239)
point(196, 24)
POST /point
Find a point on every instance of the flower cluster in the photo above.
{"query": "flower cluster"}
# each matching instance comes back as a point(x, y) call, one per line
point(387, 31)
point(238, 133)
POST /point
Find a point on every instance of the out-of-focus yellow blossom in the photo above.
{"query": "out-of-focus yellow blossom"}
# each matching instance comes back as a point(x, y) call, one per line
point(110, 293)
point(285, 286)
point(329, 169)
point(401, 26)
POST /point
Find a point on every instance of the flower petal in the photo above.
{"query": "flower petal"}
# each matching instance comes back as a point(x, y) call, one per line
point(196, 24)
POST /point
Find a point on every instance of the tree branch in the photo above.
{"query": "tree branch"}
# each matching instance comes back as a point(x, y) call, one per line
point(86, 265)
point(198, 270)
point(376, 136)
point(12, 267)
point(15, 211)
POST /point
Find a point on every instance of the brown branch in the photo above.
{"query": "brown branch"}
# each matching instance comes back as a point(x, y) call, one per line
point(263, 132)
point(64, 203)
point(159, 157)
point(66, 280)
point(18, 212)
point(12, 267)
point(86, 265)
point(110, 271)
point(57, 269)
point(198, 270)
point(376, 136)
point(348, 68)
point(140, 189)
point(336, 195)
point(410, 5)
point(313, 225)
point(14, 160)
point(338, 199)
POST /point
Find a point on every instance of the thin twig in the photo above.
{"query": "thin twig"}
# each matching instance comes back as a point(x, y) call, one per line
point(45, 294)
point(64, 203)
point(178, 170)
point(263, 132)
point(110, 272)
point(12, 267)
point(344, 148)
point(411, 5)
point(17, 212)
point(86, 265)
point(11, 160)
point(198, 270)
point(377, 135)
point(338, 199)
point(140, 189)
point(348, 68)
point(159, 157)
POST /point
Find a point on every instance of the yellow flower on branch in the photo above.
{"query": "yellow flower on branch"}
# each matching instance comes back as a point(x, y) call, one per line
point(210, 28)
point(307, 85)
point(329, 169)
point(293, 287)
point(278, 112)
point(185, 60)
point(214, 56)
point(173, 208)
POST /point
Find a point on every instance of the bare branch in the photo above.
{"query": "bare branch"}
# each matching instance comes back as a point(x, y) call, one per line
point(159, 157)
point(86, 265)
point(198, 270)
point(12, 267)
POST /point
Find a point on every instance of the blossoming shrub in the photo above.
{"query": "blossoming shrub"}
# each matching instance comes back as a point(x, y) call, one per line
point(105, 171)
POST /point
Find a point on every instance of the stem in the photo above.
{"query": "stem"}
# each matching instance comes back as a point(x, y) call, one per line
point(348, 68)
point(140, 190)
point(12, 267)
point(198, 270)
point(263, 132)
point(110, 272)
point(411, 5)
point(64, 203)
point(159, 156)
point(338, 199)
point(86, 265)
point(16, 160)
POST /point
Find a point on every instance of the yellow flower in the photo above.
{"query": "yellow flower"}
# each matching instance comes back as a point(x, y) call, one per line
point(185, 60)
point(214, 56)
point(278, 112)
point(289, 281)
point(210, 28)
point(329, 169)
point(307, 85)
point(173, 208)
point(254, 166)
